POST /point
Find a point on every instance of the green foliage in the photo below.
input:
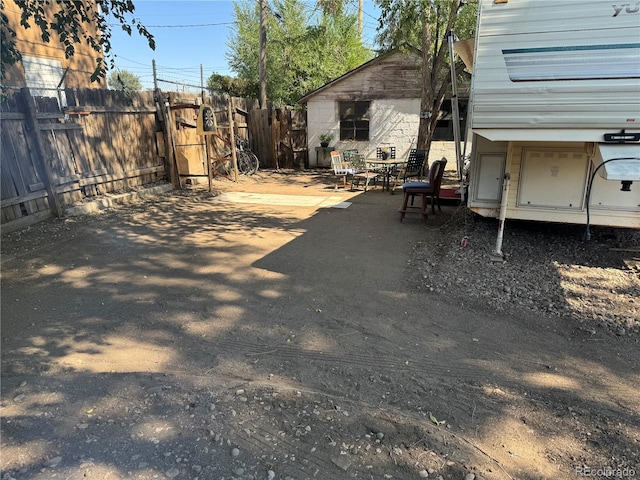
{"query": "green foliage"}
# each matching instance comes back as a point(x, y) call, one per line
point(73, 23)
point(234, 87)
point(424, 24)
point(401, 21)
point(305, 48)
point(125, 81)
point(326, 137)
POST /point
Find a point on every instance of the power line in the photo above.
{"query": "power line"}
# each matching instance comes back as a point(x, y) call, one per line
point(180, 26)
point(190, 26)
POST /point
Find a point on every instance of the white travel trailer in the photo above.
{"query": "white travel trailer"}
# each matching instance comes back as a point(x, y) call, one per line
point(555, 102)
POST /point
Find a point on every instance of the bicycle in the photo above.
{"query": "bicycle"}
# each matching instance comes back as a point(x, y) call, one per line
point(248, 162)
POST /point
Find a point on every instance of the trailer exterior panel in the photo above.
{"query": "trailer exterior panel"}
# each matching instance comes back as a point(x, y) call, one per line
point(552, 80)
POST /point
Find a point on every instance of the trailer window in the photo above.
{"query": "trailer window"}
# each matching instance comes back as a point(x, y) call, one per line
point(354, 120)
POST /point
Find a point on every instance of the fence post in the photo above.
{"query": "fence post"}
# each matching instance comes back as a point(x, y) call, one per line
point(47, 176)
point(169, 124)
point(232, 138)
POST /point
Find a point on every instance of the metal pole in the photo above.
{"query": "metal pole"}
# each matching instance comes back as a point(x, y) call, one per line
point(201, 82)
point(454, 105)
point(155, 75)
point(263, 54)
point(360, 18)
point(497, 254)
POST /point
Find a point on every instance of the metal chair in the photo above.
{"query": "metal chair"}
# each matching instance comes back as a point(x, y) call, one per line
point(413, 168)
point(361, 171)
point(429, 189)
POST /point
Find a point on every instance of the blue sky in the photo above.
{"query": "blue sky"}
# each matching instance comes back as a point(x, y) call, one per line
point(188, 34)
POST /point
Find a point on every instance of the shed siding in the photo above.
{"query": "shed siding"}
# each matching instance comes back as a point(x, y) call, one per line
point(600, 104)
point(393, 122)
point(395, 76)
point(392, 84)
point(29, 42)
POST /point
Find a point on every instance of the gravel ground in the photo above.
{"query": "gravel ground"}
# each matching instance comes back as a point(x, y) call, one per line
point(547, 269)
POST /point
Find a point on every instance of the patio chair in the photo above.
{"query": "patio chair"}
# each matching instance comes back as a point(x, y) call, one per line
point(341, 168)
point(361, 171)
point(413, 168)
point(429, 189)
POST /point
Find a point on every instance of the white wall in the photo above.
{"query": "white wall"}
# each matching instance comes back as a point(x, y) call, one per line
point(393, 122)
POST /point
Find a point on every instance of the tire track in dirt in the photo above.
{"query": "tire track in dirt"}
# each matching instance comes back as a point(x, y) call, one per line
point(442, 367)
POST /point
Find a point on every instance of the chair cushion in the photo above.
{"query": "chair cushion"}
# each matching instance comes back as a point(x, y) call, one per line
point(416, 185)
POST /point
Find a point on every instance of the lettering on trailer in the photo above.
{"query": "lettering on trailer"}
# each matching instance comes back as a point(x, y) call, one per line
point(626, 7)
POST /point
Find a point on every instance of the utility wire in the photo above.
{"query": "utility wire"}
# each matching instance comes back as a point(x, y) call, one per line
point(190, 26)
point(179, 26)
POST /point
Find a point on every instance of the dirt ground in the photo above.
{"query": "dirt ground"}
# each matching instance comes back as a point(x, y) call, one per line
point(245, 336)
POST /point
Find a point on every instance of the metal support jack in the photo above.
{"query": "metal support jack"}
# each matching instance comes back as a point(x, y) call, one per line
point(497, 255)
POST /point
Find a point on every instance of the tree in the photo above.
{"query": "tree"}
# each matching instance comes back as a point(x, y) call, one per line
point(234, 87)
point(73, 23)
point(425, 24)
point(305, 48)
point(125, 81)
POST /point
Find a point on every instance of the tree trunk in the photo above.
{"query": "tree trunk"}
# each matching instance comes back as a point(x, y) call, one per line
point(434, 82)
point(426, 103)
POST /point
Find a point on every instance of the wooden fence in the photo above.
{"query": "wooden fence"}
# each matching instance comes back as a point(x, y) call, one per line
point(52, 158)
point(103, 142)
point(277, 137)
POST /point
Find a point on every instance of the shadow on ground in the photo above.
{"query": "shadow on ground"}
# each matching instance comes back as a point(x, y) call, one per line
point(193, 338)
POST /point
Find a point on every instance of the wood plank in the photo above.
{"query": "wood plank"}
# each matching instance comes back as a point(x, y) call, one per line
point(12, 116)
point(12, 211)
point(160, 144)
point(27, 163)
point(26, 221)
point(105, 178)
point(184, 121)
point(80, 110)
point(23, 198)
point(113, 150)
point(49, 115)
point(74, 178)
point(59, 126)
point(12, 164)
point(260, 135)
point(82, 155)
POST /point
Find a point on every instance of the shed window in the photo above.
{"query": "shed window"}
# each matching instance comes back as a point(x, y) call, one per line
point(354, 120)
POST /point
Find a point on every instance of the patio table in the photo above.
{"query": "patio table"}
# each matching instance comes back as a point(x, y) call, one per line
point(386, 167)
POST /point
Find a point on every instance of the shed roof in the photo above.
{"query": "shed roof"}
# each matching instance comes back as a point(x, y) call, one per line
point(380, 58)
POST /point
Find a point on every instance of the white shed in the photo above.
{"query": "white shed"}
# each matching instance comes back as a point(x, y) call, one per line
point(555, 86)
point(376, 104)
